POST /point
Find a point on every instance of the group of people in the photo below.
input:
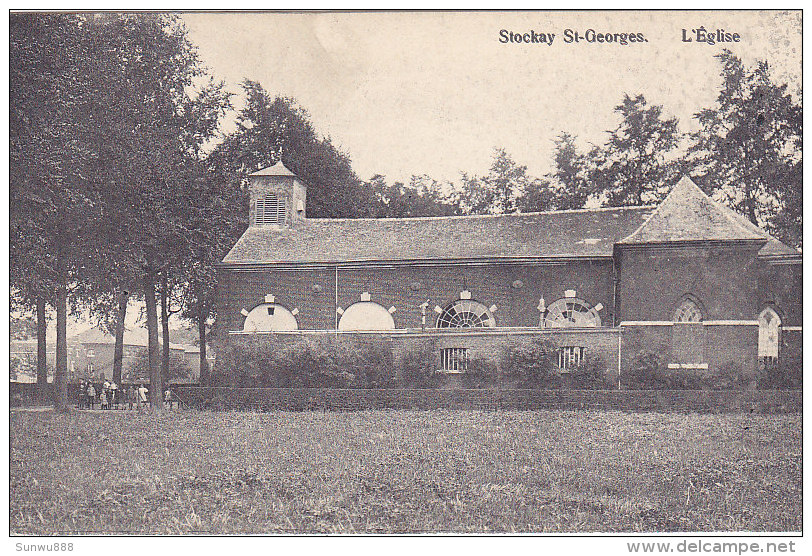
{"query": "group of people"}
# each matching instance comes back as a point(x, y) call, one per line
point(110, 396)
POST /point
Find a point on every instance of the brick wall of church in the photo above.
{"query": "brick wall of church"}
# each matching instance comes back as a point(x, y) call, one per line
point(781, 286)
point(724, 279)
point(716, 345)
point(729, 283)
point(514, 289)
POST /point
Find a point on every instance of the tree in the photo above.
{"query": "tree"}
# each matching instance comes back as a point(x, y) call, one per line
point(270, 129)
point(422, 196)
point(496, 193)
point(571, 174)
point(50, 124)
point(215, 220)
point(156, 120)
point(632, 167)
point(748, 148)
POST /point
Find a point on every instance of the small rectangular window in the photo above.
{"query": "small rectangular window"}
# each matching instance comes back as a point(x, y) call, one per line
point(91, 353)
point(454, 360)
point(570, 357)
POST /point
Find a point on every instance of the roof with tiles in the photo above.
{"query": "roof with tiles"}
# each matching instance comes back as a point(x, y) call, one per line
point(687, 214)
point(576, 233)
point(277, 169)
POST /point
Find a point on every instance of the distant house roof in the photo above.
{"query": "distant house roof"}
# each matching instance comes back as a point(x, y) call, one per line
point(132, 337)
point(277, 169)
point(686, 214)
point(559, 234)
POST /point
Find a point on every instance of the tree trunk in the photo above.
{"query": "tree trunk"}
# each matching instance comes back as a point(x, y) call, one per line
point(42, 352)
point(164, 330)
point(201, 331)
point(60, 374)
point(155, 389)
point(118, 357)
point(750, 203)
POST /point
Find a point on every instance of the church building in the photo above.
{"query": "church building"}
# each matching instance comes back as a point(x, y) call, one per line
point(689, 279)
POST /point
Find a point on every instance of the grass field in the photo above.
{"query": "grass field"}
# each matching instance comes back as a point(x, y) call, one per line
point(401, 471)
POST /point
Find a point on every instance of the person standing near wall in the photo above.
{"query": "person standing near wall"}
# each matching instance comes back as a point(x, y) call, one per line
point(142, 396)
point(91, 395)
point(82, 394)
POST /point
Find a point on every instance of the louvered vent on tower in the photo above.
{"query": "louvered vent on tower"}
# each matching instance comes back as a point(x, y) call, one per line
point(270, 210)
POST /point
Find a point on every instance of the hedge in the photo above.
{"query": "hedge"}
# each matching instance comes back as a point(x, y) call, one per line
point(298, 399)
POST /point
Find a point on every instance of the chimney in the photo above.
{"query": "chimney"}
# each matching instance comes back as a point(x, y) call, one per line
point(277, 197)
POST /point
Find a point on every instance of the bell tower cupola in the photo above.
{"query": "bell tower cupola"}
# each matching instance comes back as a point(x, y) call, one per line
point(277, 197)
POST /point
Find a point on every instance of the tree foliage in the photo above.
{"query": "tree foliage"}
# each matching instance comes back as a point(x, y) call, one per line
point(748, 148)
point(270, 129)
point(633, 166)
point(108, 120)
point(498, 191)
point(50, 158)
point(570, 174)
point(421, 197)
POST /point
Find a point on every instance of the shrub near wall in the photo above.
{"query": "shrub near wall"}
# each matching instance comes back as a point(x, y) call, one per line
point(592, 374)
point(649, 372)
point(482, 372)
point(280, 361)
point(530, 364)
point(419, 364)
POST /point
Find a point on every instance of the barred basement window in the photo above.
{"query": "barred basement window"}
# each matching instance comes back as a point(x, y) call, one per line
point(454, 360)
point(570, 357)
point(270, 210)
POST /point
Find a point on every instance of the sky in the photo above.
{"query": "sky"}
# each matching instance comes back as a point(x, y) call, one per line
point(434, 93)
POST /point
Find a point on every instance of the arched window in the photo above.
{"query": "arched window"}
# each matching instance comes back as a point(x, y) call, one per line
point(688, 311)
point(570, 312)
point(269, 317)
point(270, 210)
point(366, 315)
point(688, 335)
point(466, 314)
point(769, 335)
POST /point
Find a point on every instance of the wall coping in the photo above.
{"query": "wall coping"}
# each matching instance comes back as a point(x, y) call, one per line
point(437, 332)
point(704, 322)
